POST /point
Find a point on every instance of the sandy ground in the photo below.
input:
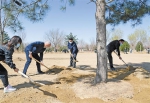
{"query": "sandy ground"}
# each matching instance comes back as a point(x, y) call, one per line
point(74, 85)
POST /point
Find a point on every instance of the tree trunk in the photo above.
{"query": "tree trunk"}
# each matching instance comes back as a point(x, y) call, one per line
point(1, 31)
point(101, 73)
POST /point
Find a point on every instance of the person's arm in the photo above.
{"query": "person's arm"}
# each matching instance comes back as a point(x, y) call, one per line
point(41, 56)
point(69, 47)
point(74, 48)
point(117, 48)
point(8, 60)
point(32, 47)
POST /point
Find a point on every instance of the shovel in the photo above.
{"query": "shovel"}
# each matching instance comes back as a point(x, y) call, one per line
point(40, 63)
point(31, 81)
point(74, 59)
point(129, 67)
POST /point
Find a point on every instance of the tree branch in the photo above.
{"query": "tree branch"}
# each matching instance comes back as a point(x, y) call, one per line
point(113, 10)
point(109, 1)
point(91, 1)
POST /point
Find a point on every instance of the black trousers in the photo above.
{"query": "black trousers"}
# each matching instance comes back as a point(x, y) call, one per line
point(4, 75)
point(72, 62)
point(110, 59)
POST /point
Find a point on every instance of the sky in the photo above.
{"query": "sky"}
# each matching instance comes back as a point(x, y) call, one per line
point(78, 19)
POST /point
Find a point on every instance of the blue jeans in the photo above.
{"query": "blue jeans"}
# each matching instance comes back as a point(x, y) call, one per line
point(36, 56)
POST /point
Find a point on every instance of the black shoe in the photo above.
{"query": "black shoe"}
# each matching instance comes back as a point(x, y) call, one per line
point(40, 72)
point(70, 66)
point(74, 66)
point(113, 69)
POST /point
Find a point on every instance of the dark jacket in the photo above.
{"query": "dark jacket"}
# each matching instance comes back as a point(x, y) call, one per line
point(114, 45)
point(73, 47)
point(6, 56)
point(36, 47)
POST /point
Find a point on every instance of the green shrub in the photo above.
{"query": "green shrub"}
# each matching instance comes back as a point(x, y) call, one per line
point(139, 46)
point(124, 46)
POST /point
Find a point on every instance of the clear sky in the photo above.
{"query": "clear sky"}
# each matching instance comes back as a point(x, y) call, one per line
point(78, 19)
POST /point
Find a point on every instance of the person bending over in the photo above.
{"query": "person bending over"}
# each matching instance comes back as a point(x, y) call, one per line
point(114, 45)
point(32, 50)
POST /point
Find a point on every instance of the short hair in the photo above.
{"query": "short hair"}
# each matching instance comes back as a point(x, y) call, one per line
point(121, 40)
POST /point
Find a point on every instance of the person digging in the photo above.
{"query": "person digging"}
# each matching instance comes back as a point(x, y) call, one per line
point(6, 52)
point(32, 51)
point(74, 51)
point(114, 45)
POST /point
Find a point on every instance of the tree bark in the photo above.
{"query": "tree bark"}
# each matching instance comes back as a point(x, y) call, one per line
point(101, 73)
point(1, 31)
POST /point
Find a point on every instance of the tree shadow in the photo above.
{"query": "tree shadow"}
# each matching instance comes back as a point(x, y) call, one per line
point(47, 93)
point(55, 70)
point(29, 84)
point(74, 78)
point(9, 76)
point(122, 75)
point(144, 65)
point(87, 68)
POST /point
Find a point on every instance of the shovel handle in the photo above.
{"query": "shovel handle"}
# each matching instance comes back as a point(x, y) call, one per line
point(40, 63)
point(73, 58)
point(121, 59)
point(23, 74)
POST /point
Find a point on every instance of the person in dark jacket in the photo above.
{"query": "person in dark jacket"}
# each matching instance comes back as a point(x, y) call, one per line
point(114, 45)
point(32, 50)
point(6, 52)
point(74, 51)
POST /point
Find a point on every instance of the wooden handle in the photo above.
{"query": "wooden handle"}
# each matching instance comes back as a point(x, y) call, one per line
point(40, 63)
point(73, 58)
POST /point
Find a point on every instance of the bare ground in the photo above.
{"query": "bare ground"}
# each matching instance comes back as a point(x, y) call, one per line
point(70, 85)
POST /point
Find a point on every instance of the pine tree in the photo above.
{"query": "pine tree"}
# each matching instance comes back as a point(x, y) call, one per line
point(10, 10)
point(75, 39)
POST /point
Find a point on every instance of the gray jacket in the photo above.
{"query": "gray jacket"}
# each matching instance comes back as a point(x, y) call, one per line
point(7, 56)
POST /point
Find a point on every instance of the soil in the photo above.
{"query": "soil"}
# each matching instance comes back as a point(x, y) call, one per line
point(75, 85)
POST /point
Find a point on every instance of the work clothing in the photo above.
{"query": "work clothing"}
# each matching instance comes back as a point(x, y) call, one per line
point(35, 48)
point(73, 47)
point(74, 51)
point(114, 45)
point(6, 56)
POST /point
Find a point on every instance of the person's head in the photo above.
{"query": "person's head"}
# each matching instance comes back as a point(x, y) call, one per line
point(70, 40)
point(15, 41)
point(121, 41)
point(47, 44)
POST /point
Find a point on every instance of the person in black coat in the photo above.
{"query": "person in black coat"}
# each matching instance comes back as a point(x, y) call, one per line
point(6, 52)
point(74, 51)
point(114, 45)
point(32, 50)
